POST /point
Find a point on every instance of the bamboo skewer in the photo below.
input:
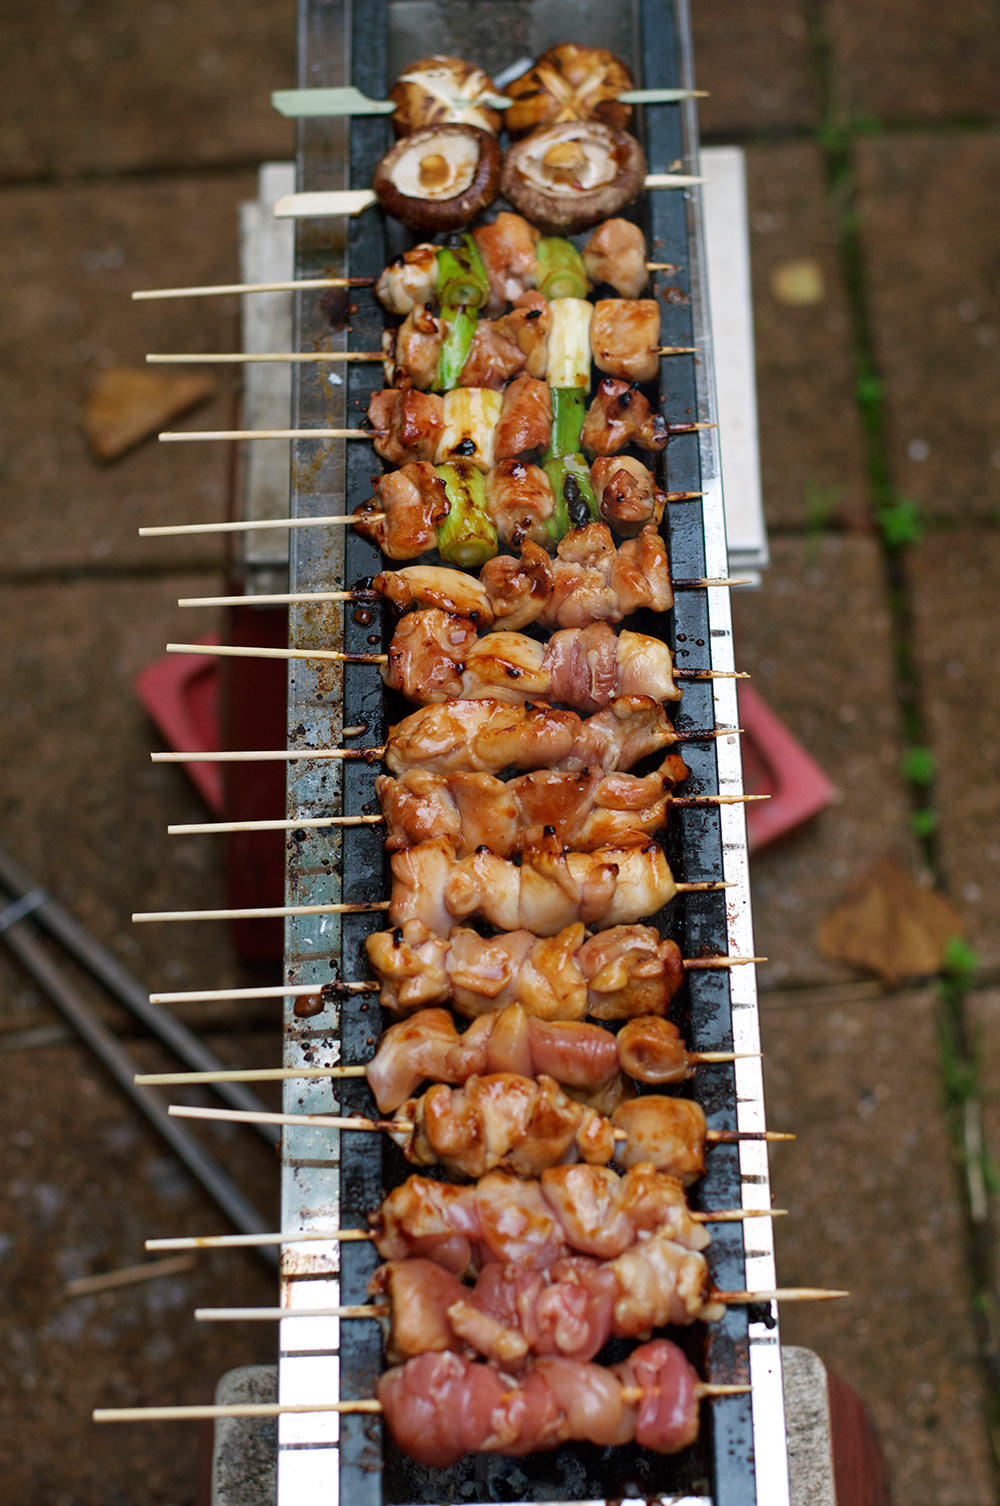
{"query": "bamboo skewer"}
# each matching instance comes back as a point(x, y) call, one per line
point(381, 1310)
point(307, 598)
point(182, 436)
point(704, 1391)
point(319, 822)
point(264, 912)
point(354, 1236)
point(352, 201)
point(246, 526)
point(403, 1126)
point(304, 357)
point(291, 755)
point(304, 990)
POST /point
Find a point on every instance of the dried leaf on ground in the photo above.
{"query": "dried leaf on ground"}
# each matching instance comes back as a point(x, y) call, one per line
point(890, 925)
point(127, 404)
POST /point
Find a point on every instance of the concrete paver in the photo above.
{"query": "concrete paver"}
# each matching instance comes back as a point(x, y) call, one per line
point(913, 60)
point(816, 640)
point(74, 255)
point(931, 240)
point(873, 1201)
point(84, 1182)
point(955, 578)
point(812, 457)
point(82, 807)
point(113, 86)
point(771, 87)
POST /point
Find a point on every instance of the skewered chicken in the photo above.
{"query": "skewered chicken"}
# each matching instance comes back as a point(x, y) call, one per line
point(413, 504)
point(407, 424)
point(521, 502)
point(507, 248)
point(527, 325)
point(588, 581)
point(587, 1210)
point(620, 415)
point(409, 281)
point(625, 338)
point(616, 254)
point(488, 736)
point(528, 1125)
point(627, 493)
point(582, 811)
point(439, 1407)
point(436, 656)
point(586, 1059)
point(572, 1309)
point(551, 889)
point(618, 974)
point(525, 418)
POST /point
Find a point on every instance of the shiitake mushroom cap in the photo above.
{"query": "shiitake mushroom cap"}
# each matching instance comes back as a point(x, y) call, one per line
point(551, 197)
point(569, 82)
point(399, 188)
point(417, 105)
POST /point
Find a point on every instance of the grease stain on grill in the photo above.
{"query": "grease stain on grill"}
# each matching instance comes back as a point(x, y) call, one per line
point(309, 1005)
point(364, 617)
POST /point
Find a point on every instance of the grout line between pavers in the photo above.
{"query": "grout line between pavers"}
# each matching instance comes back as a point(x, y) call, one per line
point(898, 527)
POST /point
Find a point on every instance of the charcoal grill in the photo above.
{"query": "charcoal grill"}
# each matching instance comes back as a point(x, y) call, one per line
point(740, 1459)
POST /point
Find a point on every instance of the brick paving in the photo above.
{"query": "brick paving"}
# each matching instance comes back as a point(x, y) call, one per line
point(129, 138)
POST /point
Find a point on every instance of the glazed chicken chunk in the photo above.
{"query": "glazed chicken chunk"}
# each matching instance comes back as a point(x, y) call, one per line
point(408, 506)
point(625, 338)
point(525, 419)
point(520, 501)
point(507, 247)
point(616, 254)
point(410, 280)
point(412, 353)
point(528, 324)
point(620, 415)
point(627, 494)
point(408, 424)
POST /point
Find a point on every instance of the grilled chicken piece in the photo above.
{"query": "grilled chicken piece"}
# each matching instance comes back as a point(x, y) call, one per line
point(528, 325)
point(670, 1132)
point(507, 247)
point(628, 494)
point(413, 502)
point(410, 280)
point(583, 1058)
point(409, 424)
point(581, 811)
point(616, 254)
point(572, 1309)
point(549, 891)
point(435, 655)
point(440, 1407)
point(520, 500)
point(525, 419)
point(413, 351)
point(618, 974)
point(625, 338)
point(436, 586)
point(582, 1209)
point(618, 416)
point(493, 358)
point(489, 736)
point(501, 1119)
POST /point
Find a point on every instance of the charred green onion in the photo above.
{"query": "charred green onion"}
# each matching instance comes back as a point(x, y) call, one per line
point(462, 288)
point(468, 535)
point(576, 504)
point(561, 272)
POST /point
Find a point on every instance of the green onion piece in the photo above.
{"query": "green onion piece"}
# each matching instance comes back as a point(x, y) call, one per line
point(468, 535)
point(459, 331)
point(569, 410)
point(562, 273)
point(576, 504)
point(461, 275)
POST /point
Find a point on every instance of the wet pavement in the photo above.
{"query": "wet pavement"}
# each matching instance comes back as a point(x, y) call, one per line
point(131, 135)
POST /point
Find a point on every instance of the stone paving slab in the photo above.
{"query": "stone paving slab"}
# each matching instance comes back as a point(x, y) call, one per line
point(754, 61)
point(816, 640)
point(914, 60)
point(82, 807)
point(115, 86)
point(931, 238)
point(873, 1202)
point(812, 456)
point(983, 1015)
point(955, 578)
point(84, 1183)
point(75, 254)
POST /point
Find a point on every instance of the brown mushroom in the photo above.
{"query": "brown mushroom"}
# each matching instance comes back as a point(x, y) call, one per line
point(567, 177)
point(440, 177)
point(443, 91)
point(569, 83)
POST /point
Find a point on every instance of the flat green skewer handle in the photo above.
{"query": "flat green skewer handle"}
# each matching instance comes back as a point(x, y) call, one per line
point(347, 101)
point(660, 96)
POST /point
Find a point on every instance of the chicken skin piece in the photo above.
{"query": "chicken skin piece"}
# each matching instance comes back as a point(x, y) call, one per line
point(412, 353)
point(520, 500)
point(616, 254)
point(409, 281)
point(621, 415)
point(549, 891)
point(409, 504)
point(493, 358)
point(617, 974)
point(454, 591)
point(507, 247)
point(625, 338)
point(488, 736)
point(528, 325)
point(627, 493)
point(408, 424)
point(525, 419)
